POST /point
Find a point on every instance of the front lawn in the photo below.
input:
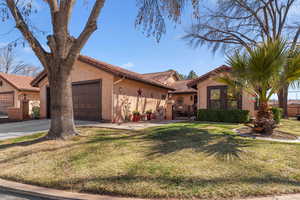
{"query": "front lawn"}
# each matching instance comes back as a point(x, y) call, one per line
point(184, 160)
point(290, 126)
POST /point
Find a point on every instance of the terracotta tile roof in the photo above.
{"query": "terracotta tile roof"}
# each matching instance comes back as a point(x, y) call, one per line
point(193, 83)
point(182, 87)
point(115, 70)
point(21, 83)
point(161, 76)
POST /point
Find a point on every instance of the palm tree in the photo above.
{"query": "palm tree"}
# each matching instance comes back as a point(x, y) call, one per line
point(261, 72)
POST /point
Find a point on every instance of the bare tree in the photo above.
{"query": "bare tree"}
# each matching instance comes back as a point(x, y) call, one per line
point(232, 24)
point(10, 64)
point(65, 48)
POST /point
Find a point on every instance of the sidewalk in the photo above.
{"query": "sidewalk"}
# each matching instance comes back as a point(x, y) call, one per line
point(41, 192)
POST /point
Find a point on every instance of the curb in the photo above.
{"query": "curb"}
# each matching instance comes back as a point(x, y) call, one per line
point(52, 194)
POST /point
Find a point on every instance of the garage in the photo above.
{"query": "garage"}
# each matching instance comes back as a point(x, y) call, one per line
point(6, 101)
point(86, 100)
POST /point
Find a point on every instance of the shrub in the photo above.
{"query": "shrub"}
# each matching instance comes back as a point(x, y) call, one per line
point(230, 116)
point(277, 114)
point(35, 112)
point(135, 112)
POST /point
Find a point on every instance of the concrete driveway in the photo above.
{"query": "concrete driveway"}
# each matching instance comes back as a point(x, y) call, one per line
point(17, 129)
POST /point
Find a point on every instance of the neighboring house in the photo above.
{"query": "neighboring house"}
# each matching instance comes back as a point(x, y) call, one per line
point(215, 95)
point(13, 88)
point(185, 98)
point(167, 77)
point(105, 92)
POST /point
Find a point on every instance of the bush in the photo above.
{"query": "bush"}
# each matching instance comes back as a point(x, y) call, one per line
point(230, 116)
point(277, 114)
point(35, 112)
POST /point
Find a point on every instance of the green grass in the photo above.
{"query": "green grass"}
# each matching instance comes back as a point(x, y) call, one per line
point(182, 160)
point(291, 126)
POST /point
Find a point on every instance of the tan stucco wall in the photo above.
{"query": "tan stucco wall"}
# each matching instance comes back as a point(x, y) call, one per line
point(43, 98)
point(84, 72)
point(126, 94)
point(248, 103)
point(6, 87)
point(186, 98)
point(170, 80)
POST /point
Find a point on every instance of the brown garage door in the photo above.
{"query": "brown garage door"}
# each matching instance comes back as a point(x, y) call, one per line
point(6, 101)
point(87, 100)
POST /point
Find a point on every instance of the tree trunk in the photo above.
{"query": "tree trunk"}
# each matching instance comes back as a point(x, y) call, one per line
point(62, 118)
point(283, 100)
point(264, 122)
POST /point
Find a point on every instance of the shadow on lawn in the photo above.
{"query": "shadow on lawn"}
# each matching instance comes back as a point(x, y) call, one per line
point(222, 145)
point(23, 144)
point(186, 184)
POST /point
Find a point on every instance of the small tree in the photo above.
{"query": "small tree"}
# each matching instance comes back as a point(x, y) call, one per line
point(191, 75)
point(261, 71)
point(11, 65)
point(237, 24)
point(65, 48)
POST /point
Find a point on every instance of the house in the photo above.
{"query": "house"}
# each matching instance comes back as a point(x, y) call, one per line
point(13, 88)
point(102, 91)
point(166, 77)
point(215, 95)
point(184, 97)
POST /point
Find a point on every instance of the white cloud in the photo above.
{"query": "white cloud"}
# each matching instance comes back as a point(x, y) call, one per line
point(128, 65)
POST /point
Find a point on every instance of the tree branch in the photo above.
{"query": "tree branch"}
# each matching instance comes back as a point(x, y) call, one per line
point(89, 28)
point(27, 34)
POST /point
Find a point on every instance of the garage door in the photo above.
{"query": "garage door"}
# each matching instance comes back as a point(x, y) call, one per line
point(86, 101)
point(6, 101)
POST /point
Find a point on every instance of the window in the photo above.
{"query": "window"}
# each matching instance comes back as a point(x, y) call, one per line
point(215, 98)
point(163, 96)
point(191, 98)
point(219, 97)
point(1, 83)
point(180, 100)
point(232, 100)
point(195, 99)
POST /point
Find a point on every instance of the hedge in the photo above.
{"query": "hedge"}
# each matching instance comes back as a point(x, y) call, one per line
point(230, 116)
point(277, 114)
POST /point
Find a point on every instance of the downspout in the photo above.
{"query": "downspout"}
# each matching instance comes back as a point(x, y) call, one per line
point(113, 99)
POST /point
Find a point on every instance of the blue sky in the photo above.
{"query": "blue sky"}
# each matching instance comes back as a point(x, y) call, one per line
point(118, 42)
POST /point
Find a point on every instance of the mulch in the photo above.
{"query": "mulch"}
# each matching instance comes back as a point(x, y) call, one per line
point(276, 134)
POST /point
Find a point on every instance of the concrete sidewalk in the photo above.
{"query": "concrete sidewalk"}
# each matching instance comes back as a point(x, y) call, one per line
point(47, 193)
point(133, 125)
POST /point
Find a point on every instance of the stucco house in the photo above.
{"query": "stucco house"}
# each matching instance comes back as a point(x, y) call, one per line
point(215, 95)
point(13, 88)
point(184, 97)
point(102, 91)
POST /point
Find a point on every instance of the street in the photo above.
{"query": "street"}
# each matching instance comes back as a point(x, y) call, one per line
point(13, 196)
